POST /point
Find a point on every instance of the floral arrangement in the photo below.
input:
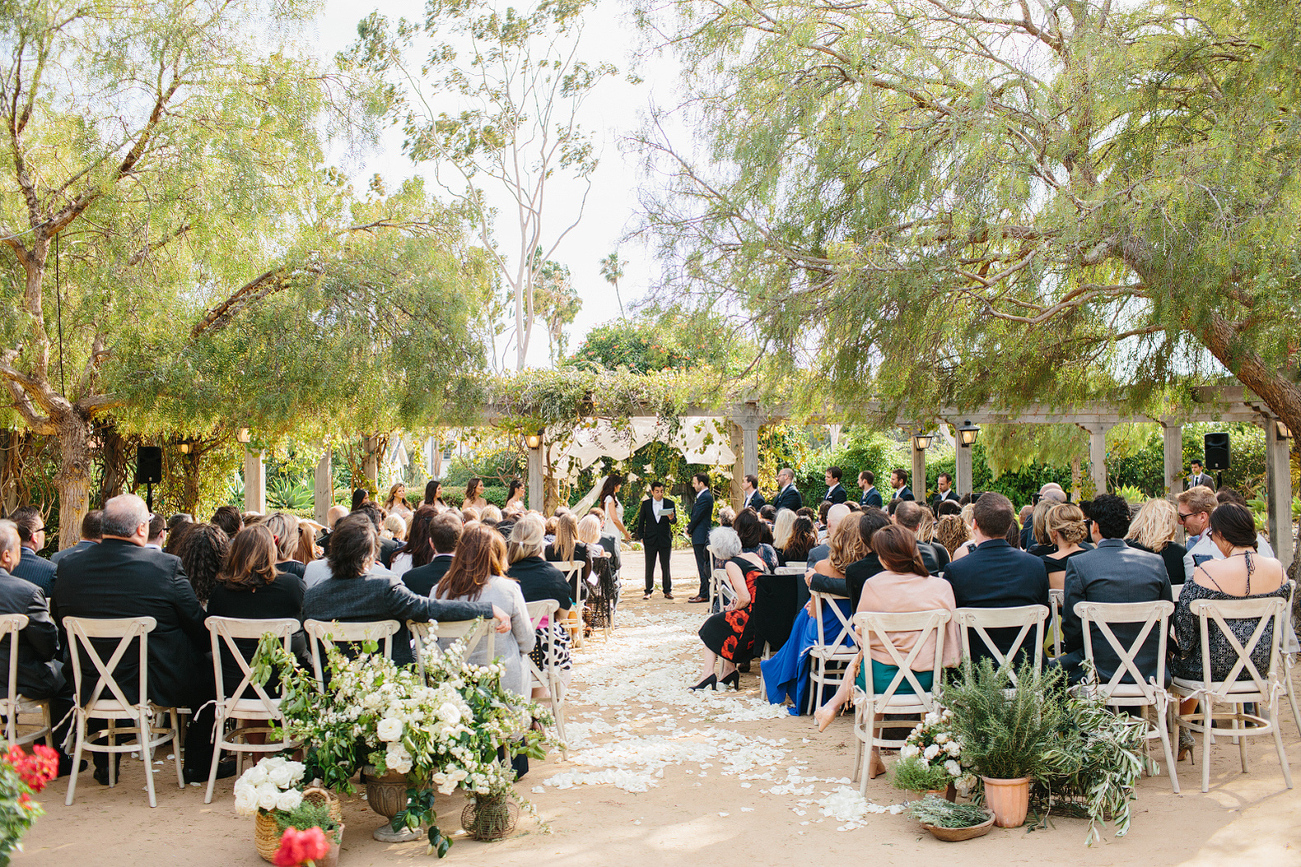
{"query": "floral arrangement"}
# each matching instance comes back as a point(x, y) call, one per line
point(22, 775)
point(298, 848)
point(271, 784)
point(443, 731)
point(931, 756)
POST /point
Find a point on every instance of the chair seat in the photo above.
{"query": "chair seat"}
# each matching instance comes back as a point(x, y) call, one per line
point(1241, 690)
point(111, 708)
point(249, 708)
point(829, 652)
point(25, 704)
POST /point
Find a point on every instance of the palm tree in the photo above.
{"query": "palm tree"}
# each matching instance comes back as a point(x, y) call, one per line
point(612, 270)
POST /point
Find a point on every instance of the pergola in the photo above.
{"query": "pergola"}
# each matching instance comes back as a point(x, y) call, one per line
point(745, 417)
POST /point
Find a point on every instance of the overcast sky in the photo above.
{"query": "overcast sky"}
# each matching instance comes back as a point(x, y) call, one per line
point(611, 113)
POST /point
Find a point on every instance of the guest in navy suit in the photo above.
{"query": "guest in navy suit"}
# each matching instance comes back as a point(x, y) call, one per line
point(31, 532)
point(835, 491)
point(702, 518)
point(788, 496)
point(871, 496)
point(994, 574)
point(899, 481)
point(751, 498)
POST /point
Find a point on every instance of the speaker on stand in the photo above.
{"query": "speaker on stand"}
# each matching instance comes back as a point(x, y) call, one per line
point(149, 471)
point(1216, 446)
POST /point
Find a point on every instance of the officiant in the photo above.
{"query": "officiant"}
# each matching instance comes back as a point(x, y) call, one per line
point(655, 520)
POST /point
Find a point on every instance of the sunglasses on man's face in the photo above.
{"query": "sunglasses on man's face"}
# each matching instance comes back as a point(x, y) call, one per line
point(1183, 517)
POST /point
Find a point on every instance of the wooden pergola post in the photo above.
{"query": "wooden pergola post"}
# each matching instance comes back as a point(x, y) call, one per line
point(323, 486)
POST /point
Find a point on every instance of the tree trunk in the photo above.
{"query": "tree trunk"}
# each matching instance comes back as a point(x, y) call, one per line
point(190, 486)
point(114, 460)
point(74, 476)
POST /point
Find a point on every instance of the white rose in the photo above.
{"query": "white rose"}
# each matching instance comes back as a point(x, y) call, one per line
point(255, 776)
point(953, 748)
point(931, 718)
point(389, 729)
point(246, 800)
point(449, 713)
point(289, 800)
point(281, 776)
point(953, 768)
point(267, 796)
point(296, 771)
point(907, 751)
point(931, 752)
point(941, 738)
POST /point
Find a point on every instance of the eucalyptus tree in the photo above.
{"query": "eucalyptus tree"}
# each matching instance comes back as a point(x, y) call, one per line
point(952, 200)
point(490, 99)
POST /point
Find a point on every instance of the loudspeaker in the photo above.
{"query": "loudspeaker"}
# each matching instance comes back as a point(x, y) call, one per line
point(149, 465)
point(1217, 451)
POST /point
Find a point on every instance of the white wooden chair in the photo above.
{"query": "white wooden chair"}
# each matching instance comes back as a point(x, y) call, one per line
point(878, 626)
point(15, 704)
point(547, 677)
point(336, 632)
point(573, 572)
point(792, 569)
point(427, 635)
point(1056, 599)
point(720, 589)
point(823, 655)
point(260, 712)
point(1261, 688)
point(116, 707)
point(1289, 650)
point(1142, 692)
point(981, 620)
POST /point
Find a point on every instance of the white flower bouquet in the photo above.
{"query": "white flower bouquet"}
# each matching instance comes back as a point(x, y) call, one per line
point(271, 784)
point(931, 757)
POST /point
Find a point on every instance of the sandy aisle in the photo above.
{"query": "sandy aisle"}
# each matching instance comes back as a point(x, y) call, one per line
point(661, 776)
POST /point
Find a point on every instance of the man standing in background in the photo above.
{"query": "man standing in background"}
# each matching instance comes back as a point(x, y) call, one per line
point(702, 519)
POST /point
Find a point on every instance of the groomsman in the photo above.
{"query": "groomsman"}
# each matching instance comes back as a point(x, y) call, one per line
point(702, 518)
point(788, 496)
point(1199, 478)
point(654, 527)
point(943, 491)
point(751, 498)
point(899, 481)
point(871, 496)
point(835, 491)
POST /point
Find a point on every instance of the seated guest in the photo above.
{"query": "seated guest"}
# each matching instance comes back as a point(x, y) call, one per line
point(387, 547)
point(442, 533)
point(332, 516)
point(799, 543)
point(228, 519)
point(203, 557)
point(355, 591)
point(1202, 548)
point(40, 667)
point(1240, 573)
point(1066, 529)
point(478, 575)
point(781, 528)
point(858, 572)
point(307, 551)
point(726, 515)
point(589, 534)
point(176, 537)
point(567, 547)
point(724, 634)
point(1025, 518)
point(416, 550)
point(835, 515)
point(90, 533)
point(904, 586)
point(994, 574)
point(948, 507)
point(951, 533)
point(31, 533)
point(1013, 536)
point(121, 578)
point(1154, 529)
point(284, 530)
point(396, 529)
point(157, 532)
point(1113, 572)
point(251, 586)
point(908, 514)
point(768, 513)
point(1035, 537)
point(538, 580)
point(750, 531)
point(823, 508)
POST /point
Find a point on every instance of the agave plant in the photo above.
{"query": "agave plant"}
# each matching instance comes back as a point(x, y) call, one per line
point(290, 495)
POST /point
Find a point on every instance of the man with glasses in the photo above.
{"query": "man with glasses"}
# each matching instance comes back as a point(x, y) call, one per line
point(31, 535)
point(1195, 506)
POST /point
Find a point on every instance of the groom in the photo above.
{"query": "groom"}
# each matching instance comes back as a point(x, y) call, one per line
point(655, 520)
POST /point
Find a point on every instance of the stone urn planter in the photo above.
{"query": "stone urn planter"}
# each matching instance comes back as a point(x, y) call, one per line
point(387, 795)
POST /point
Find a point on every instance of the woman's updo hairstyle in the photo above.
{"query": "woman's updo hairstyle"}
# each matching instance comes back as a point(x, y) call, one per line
point(1067, 521)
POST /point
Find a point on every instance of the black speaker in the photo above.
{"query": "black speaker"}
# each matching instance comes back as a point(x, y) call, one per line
point(1217, 451)
point(149, 465)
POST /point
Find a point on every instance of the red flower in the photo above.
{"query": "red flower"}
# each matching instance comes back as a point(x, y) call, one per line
point(36, 769)
point(301, 847)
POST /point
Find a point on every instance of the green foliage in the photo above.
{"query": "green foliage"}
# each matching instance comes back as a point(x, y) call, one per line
point(662, 339)
point(913, 774)
point(936, 811)
point(1005, 736)
point(308, 814)
point(289, 495)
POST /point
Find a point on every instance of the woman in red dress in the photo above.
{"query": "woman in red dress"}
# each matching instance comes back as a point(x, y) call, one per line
point(726, 633)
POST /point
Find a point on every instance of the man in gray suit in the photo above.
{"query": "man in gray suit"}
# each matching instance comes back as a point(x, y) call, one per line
point(1113, 572)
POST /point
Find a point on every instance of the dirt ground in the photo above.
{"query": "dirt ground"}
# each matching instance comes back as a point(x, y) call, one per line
point(657, 775)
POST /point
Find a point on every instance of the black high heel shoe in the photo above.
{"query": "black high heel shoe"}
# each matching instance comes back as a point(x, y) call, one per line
point(711, 682)
point(733, 680)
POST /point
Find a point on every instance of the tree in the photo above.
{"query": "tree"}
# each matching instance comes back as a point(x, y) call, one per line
point(555, 302)
point(946, 203)
point(519, 88)
point(662, 339)
point(612, 271)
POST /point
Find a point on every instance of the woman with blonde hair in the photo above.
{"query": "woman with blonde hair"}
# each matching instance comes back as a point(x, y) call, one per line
point(567, 546)
point(539, 581)
point(1065, 528)
point(782, 529)
point(951, 533)
point(1154, 529)
point(284, 530)
point(478, 574)
point(395, 528)
point(967, 521)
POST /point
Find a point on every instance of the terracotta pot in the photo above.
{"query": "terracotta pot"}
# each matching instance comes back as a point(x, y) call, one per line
point(1008, 799)
point(331, 858)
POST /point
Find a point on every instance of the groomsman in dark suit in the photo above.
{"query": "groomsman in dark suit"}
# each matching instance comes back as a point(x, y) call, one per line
point(751, 497)
point(1199, 477)
point(788, 496)
point(835, 491)
point(871, 496)
point(654, 526)
point(943, 491)
point(702, 518)
point(899, 481)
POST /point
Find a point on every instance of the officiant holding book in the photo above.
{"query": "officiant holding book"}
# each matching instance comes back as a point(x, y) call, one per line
point(655, 520)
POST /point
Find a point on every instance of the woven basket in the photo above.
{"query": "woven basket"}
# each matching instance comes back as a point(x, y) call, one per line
point(266, 833)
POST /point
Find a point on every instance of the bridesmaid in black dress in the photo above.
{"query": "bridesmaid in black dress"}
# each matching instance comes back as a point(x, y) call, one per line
point(726, 633)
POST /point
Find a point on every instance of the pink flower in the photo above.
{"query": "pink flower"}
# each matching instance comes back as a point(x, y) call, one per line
point(301, 847)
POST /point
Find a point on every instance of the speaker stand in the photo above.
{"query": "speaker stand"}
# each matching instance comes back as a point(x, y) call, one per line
point(149, 496)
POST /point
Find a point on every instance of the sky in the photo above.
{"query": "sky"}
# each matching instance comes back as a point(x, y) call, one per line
point(611, 113)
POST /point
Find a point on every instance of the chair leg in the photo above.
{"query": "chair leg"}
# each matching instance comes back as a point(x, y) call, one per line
point(216, 757)
point(1238, 725)
point(1162, 728)
point(1278, 743)
point(1206, 744)
point(145, 753)
point(176, 746)
point(49, 725)
point(1291, 699)
point(80, 723)
point(113, 757)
